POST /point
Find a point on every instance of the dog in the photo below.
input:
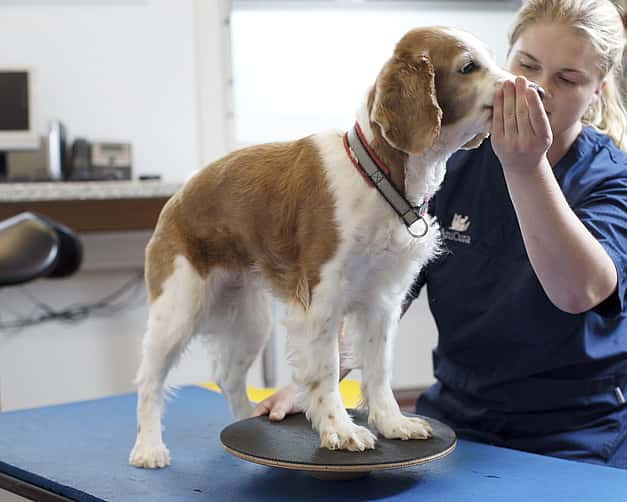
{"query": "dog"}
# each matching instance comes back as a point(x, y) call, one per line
point(312, 222)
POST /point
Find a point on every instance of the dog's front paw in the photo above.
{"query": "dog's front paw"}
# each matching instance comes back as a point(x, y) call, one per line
point(347, 436)
point(149, 455)
point(401, 427)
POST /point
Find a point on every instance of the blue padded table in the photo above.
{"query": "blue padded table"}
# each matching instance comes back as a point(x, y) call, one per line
point(80, 451)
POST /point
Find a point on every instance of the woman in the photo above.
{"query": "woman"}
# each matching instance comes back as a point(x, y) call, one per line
point(529, 297)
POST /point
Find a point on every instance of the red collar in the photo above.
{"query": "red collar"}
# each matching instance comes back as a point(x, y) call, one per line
point(371, 152)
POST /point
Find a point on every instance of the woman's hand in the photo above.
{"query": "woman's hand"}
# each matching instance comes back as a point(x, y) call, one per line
point(521, 132)
point(279, 404)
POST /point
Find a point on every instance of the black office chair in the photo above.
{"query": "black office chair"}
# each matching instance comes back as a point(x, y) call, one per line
point(33, 246)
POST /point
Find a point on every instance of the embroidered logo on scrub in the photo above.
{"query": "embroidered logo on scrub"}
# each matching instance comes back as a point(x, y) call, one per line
point(456, 230)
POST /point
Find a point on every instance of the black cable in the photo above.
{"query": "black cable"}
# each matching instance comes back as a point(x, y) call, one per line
point(119, 299)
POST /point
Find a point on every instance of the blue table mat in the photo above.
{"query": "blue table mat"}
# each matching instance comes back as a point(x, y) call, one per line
point(81, 450)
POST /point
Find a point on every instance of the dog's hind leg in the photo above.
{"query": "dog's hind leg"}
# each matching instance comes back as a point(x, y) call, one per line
point(171, 324)
point(244, 315)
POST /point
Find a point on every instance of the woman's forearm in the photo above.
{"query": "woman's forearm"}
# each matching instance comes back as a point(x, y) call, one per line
point(573, 268)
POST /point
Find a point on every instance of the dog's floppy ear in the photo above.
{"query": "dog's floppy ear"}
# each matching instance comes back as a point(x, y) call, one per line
point(405, 104)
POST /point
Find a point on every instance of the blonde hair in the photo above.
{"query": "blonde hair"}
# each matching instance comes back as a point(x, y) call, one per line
point(600, 21)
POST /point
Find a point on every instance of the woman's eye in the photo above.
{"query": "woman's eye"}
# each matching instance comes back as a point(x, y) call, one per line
point(526, 66)
point(566, 81)
point(468, 67)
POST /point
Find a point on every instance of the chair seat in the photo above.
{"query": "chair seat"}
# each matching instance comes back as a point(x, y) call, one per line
point(29, 248)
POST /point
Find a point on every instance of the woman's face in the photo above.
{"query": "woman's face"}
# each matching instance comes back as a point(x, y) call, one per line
point(565, 65)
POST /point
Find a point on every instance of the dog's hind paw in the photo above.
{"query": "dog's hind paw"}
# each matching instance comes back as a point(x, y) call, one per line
point(347, 437)
point(402, 427)
point(149, 456)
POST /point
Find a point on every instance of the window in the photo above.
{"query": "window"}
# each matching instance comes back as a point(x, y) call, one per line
point(303, 67)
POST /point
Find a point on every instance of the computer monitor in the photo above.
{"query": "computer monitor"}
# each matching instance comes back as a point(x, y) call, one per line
point(17, 128)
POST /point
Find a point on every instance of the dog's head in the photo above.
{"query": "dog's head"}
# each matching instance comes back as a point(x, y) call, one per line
point(439, 80)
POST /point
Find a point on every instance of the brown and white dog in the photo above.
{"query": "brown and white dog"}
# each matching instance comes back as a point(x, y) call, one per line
point(298, 220)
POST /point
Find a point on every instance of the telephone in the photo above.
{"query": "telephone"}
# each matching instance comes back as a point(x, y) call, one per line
point(99, 161)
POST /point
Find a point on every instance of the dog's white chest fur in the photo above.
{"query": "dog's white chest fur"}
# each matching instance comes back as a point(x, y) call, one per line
point(376, 251)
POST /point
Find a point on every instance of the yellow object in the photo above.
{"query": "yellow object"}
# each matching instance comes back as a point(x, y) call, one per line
point(351, 395)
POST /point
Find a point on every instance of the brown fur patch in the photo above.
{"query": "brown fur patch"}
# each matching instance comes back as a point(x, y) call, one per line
point(266, 208)
point(405, 106)
point(455, 92)
point(161, 249)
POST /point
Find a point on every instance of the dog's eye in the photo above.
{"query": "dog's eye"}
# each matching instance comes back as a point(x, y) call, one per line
point(468, 67)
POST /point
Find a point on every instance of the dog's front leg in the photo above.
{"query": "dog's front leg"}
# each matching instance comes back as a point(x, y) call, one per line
point(314, 356)
point(377, 331)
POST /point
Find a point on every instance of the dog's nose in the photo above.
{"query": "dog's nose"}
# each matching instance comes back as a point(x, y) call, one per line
point(538, 89)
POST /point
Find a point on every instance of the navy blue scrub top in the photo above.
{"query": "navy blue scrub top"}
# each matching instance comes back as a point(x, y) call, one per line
point(508, 361)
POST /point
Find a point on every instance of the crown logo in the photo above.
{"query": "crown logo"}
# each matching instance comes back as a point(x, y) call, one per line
point(460, 223)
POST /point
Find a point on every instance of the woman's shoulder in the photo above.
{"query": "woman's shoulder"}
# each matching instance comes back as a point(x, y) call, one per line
point(605, 151)
point(593, 162)
point(593, 166)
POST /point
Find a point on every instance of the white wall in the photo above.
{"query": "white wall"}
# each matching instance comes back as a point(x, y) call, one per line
point(213, 70)
point(124, 70)
point(153, 72)
point(303, 70)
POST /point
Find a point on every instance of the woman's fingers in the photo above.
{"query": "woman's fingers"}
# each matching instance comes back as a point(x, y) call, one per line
point(521, 133)
point(279, 411)
point(263, 408)
point(272, 406)
point(510, 127)
point(537, 116)
point(497, 131)
point(277, 405)
point(522, 110)
point(518, 116)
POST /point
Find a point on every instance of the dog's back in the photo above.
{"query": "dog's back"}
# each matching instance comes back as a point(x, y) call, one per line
point(246, 211)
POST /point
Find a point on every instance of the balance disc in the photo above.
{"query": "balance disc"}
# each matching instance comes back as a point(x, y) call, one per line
point(293, 444)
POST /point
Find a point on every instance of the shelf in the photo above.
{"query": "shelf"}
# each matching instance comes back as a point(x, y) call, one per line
point(95, 206)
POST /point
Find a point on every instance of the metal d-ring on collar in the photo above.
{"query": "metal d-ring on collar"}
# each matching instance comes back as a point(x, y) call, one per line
point(363, 160)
